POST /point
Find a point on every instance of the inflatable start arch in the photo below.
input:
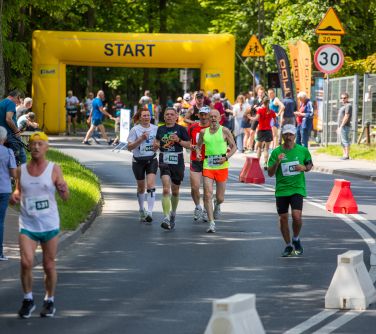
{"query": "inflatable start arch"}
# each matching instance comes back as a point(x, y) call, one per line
point(214, 55)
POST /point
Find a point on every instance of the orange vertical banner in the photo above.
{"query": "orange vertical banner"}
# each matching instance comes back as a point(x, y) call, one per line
point(305, 66)
point(300, 55)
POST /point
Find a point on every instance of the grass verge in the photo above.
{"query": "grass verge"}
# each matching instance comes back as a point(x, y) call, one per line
point(364, 152)
point(83, 186)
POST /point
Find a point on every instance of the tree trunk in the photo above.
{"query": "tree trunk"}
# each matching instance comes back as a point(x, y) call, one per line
point(2, 71)
point(90, 24)
point(161, 72)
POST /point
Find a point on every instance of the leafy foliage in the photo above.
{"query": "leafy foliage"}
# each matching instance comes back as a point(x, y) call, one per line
point(283, 21)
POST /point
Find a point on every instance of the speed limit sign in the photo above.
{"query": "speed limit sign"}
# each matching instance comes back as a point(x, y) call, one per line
point(329, 59)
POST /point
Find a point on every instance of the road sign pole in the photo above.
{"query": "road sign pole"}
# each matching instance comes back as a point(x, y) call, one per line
point(254, 77)
point(245, 65)
point(326, 112)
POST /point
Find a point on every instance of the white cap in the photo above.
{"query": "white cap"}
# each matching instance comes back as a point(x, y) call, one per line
point(289, 128)
point(204, 110)
point(187, 97)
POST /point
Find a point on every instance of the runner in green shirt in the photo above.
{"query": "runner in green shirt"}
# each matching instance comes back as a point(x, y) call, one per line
point(288, 163)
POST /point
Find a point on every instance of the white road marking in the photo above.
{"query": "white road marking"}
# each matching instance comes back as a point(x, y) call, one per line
point(312, 321)
point(342, 320)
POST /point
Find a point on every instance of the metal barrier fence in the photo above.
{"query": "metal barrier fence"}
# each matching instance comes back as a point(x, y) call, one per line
point(332, 104)
point(369, 99)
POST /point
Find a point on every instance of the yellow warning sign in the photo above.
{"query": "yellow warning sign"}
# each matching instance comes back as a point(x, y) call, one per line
point(253, 48)
point(330, 24)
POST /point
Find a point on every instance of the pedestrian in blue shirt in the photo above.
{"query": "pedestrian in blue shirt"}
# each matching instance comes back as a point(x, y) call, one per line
point(7, 170)
point(9, 122)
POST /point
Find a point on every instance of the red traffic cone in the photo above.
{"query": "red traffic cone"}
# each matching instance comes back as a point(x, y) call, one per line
point(251, 172)
point(341, 199)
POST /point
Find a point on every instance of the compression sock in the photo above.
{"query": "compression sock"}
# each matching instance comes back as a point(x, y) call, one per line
point(174, 203)
point(166, 205)
point(141, 200)
point(28, 295)
point(49, 299)
point(150, 197)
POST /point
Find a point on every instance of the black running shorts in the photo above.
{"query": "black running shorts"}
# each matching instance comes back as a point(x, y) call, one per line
point(265, 136)
point(175, 172)
point(143, 167)
point(197, 166)
point(283, 203)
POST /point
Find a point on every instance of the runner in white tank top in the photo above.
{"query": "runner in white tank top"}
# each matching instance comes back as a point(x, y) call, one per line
point(38, 204)
point(38, 180)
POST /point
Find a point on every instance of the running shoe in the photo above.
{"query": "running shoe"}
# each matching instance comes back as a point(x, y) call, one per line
point(288, 251)
point(27, 308)
point(48, 309)
point(217, 210)
point(86, 142)
point(148, 218)
point(172, 220)
point(298, 247)
point(197, 214)
point(142, 215)
point(110, 142)
point(205, 218)
point(211, 228)
point(166, 223)
point(3, 258)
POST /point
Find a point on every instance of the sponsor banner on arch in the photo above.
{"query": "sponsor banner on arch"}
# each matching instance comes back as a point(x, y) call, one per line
point(284, 72)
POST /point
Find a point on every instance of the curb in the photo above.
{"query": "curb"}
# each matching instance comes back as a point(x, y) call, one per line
point(66, 238)
point(344, 173)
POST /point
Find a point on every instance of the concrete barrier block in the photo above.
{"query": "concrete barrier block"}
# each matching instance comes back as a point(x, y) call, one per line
point(235, 315)
point(351, 286)
point(373, 259)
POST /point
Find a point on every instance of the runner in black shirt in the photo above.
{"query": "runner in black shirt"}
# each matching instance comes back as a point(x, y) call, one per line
point(170, 140)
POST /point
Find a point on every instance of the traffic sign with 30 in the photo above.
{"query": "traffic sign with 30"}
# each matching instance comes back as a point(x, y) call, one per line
point(329, 59)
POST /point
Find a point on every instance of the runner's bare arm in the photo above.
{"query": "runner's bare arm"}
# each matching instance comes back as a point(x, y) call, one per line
point(281, 106)
point(273, 169)
point(200, 141)
point(16, 195)
point(132, 145)
point(188, 115)
point(60, 184)
point(183, 143)
point(156, 144)
point(230, 142)
point(304, 168)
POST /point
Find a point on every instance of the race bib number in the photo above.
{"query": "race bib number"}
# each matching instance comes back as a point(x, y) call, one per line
point(288, 168)
point(146, 148)
point(170, 158)
point(37, 205)
point(214, 160)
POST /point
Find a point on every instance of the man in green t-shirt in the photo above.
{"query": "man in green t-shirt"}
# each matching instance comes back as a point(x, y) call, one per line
point(288, 163)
